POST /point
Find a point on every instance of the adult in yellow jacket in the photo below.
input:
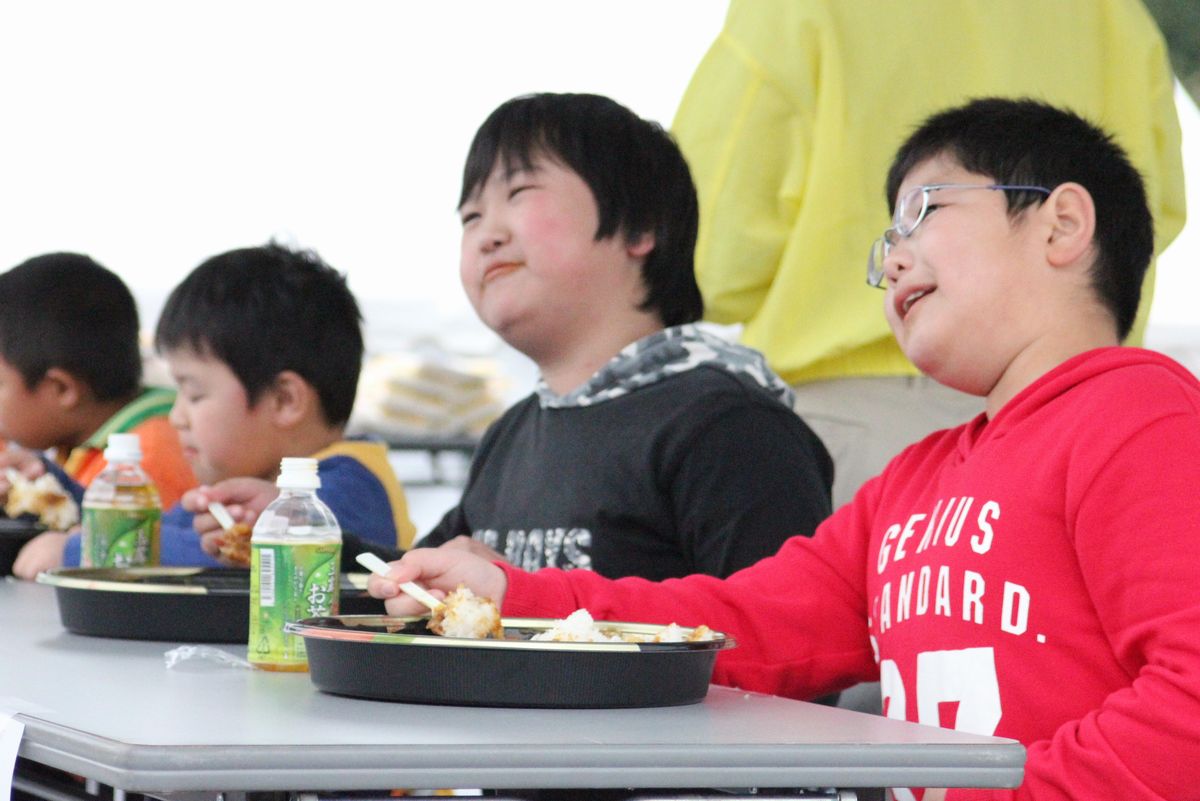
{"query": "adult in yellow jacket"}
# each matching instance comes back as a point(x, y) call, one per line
point(788, 125)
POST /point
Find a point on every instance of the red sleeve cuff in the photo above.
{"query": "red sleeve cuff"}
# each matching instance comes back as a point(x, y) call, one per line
point(546, 593)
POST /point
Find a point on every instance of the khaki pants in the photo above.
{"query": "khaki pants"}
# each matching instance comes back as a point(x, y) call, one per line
point(864, 422)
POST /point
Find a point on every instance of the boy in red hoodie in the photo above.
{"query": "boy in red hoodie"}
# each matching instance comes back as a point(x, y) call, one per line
point(1034, 573)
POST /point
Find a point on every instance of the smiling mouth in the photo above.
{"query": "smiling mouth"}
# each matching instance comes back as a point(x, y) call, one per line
point(911, 299)
point(500, 270)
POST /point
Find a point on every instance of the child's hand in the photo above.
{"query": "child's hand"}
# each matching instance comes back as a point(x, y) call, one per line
point(244, 498)
point(41, 553)
point(28, 463)
point(440, 570)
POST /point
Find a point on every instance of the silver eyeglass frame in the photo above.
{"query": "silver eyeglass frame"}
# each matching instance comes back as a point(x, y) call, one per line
point(884, 244)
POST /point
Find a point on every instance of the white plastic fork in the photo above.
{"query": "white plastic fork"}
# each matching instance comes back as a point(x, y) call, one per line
point(379, 567)
point(221, 515)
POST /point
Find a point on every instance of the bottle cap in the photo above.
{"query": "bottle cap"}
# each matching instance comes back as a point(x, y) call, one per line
point(123, 448)
point(298, 473)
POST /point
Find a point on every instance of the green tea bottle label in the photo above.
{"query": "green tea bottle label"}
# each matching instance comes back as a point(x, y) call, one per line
point(288, 582)
point(115, 536)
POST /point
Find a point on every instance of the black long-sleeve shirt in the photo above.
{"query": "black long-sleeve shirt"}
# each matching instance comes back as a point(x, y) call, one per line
point(701, 472)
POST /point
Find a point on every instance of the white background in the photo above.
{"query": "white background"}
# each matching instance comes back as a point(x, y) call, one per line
point(152, 135)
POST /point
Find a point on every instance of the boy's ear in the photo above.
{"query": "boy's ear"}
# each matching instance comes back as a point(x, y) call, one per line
point(1071, 215)
point(639, 247)
point(293, 400)
point(61, 388)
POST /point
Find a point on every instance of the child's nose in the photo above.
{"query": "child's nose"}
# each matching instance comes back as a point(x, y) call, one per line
point(176, 417)
point(898, 260)
point(493, 235)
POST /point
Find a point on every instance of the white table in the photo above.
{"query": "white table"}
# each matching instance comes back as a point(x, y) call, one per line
point(110, 710)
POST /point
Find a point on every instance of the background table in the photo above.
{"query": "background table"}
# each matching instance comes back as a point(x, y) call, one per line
point(111, 710)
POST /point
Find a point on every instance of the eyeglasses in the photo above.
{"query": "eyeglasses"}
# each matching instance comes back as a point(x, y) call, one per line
point(910, 213)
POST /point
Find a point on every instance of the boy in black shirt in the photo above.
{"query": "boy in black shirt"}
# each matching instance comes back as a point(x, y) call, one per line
point(650, 447)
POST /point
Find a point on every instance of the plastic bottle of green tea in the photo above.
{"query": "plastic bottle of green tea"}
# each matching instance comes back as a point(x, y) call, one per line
point(295, 556)
point(122, 515)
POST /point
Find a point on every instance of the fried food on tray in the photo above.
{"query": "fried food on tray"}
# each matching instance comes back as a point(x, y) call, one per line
point(465, 614)
point(44, 497)
point(235, 545)
point(677, 633)
point(580, 627)
point(577, 627)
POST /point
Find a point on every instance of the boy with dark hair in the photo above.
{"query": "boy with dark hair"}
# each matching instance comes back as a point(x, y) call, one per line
point(635, 173)
point(1034, 573)
point(266, 311)
point(650, 447)
point(265, 345)
point(70, 375)
point(1124, 235)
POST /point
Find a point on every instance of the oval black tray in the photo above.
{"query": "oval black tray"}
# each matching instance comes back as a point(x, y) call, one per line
point(178, 604)
point(397, 659)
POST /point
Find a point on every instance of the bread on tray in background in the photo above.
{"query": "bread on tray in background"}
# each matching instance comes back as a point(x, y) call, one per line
point(409, 396)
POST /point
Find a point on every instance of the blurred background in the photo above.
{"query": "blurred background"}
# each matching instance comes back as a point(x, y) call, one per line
point(152, 135)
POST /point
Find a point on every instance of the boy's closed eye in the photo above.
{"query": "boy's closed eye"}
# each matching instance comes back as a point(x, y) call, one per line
point(469, 216)
point(188, 389)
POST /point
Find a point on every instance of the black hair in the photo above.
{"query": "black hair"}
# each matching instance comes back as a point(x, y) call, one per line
point(634, 169)
point(65, 310)
point(1026, 142)
point(263, 310)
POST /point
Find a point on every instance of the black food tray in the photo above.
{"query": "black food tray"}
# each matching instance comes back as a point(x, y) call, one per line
point(398, 659)
point(175, 604)
point(14, 533)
